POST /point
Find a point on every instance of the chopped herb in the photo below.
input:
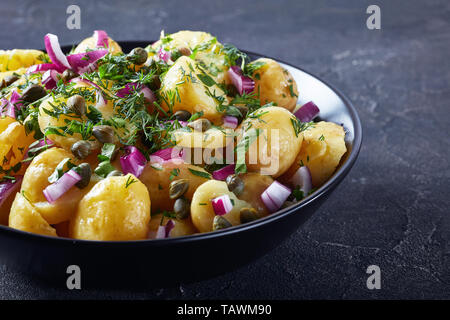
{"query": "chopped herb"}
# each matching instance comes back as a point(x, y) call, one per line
point(202, 174)
point(130, 181)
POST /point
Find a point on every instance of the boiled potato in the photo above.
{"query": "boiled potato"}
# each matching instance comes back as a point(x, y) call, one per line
point(25, 217)
point(322, 149)
point(277, 144)
point(5, 74)
point(212, 138)
point(181, 228)
point(91, 44)
point(202, 212)
point(157, 178)
point(116, 209)
point(181, 89)
point(19, 58)
point(35, 181)
point(275, 84)
point(254, 186)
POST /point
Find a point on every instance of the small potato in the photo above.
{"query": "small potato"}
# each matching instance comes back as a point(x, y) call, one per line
point(182, 227)
point(202, 212)
point(91, 44)
point(25, 217)
point(19, 58)
point(35, 181)
point(254, 185)
point(275, 84)
point(157, 178)
point(19, 71)
point(275, 148)
point(116, 209)
point(322, 149)
point(181, 89)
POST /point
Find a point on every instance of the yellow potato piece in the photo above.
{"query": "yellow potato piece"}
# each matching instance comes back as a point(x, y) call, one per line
point(25, 217)
point(212, 138)
point(18, 58)
point(158, 178)
point(182, 89)
point(35, 181)
point(202, 212)
point(322, 149)
point(254, 186)
point(116, 209)
point(274, 84)
point(20, 71)
point(91, 44)
point(181, 228)
point(277, 144)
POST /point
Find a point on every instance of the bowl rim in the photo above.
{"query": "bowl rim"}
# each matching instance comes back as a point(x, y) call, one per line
point(337, 177)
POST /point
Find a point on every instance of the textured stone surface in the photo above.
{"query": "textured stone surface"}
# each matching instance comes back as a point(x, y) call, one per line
point(392, 209)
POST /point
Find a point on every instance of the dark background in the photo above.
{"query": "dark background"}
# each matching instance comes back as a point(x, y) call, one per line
point(392, 209)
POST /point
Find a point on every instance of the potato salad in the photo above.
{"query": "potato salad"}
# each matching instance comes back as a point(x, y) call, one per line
point(186, 135)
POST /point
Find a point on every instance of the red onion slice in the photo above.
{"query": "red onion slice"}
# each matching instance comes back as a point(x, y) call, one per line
point(7, 109)
point(57, 189)
point(302, 178)
point(222, 205)
point(224, 172)
point(230, 122)
point(169, 153)
point(164, 231)
point(50, 79)
point(16, 100)
point(101, 39)
point(133, 161)
point(307, 112)
point(275, 195)
point(87, 61)
point(42, 67)
point(55, 53)
point(241, 82)
point(7, 187)
point(133, 86)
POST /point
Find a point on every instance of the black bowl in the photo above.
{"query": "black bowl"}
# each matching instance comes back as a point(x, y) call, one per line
point(167, 262)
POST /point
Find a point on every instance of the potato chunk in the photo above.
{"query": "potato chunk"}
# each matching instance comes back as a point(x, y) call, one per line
point(19, 58)
point(276, 140)
point(116, 209)
point(275, 84)
point(182, 89)
point(25, 217)
point(322, 149)
point(202, 212)
point(254, 186)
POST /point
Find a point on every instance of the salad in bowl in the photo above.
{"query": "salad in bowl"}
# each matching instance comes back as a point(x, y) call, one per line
point(184, 136)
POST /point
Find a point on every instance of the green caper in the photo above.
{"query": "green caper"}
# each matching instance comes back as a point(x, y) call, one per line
point(177, 188)
point(115, 173)
point(200, 125)
point(184, 51)
point(182, 115)
point(155, 82)
point(235, 184)
point(103, 133)
point(181, 208)
point(81, 149)
point(8, 80)
point(33, 93)
point(68, 74)
point(85, 172)
point(248, 215)
point(220, 222)
point(77, 104)
point(138, 56)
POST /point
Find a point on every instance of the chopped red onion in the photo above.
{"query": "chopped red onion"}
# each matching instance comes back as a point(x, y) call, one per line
point(169, 153)
point(133, 161)
point(16, 100)
point(87, 61)
point(101, 39)
point(42, 67)
point(224, 172)
point(7, 187)
point(275, 195)
point(230, 122)
point(222, 205)
point(7, 109)
point(50, 79)
point(133, 86)
point(164, 55)
point(302, 178)
point(58, 188)
point(241, 82)
point(55, 53)
point(307, 112)
point(164, 231)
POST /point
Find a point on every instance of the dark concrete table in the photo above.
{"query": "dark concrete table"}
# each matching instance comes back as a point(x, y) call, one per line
point(393, 208)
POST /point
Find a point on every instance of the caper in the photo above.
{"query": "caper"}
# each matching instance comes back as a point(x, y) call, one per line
point(243, 110)
point(155, 83)
point(68, 74)
point(33, 93)
point(220, 222)
point(177, 188)
point(181, 208)
point(104, 134)
point(115, 173)
point(235, 184)
point(8, 80)
point(77, 104)
point(81, 149)
point(200, 125)
point(182, 115)
point(248, 215)
point(85, 173)
point(138, 56)
point(184, 51)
